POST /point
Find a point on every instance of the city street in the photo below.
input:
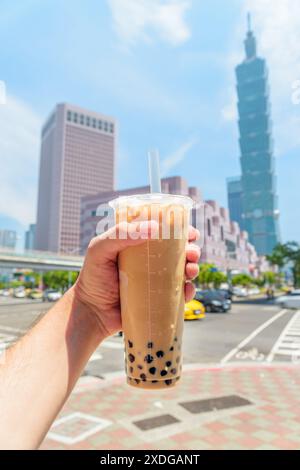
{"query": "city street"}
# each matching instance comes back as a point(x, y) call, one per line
point(249, 333)
point(239, 388)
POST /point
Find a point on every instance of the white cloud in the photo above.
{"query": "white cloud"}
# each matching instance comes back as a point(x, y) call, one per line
point(277, 26)
point(136, 20)
point(19, 156)
point(176, 157)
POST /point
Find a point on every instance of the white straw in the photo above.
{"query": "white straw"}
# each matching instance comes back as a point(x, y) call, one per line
point(154, 171)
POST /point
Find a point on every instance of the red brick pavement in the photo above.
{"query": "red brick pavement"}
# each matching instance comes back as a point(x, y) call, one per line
point(271, 422)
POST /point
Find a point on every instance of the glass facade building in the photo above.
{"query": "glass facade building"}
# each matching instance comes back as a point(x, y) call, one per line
point(258, 181)
point(234, 194)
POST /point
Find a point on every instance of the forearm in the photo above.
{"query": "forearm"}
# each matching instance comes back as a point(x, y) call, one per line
point(39, 372)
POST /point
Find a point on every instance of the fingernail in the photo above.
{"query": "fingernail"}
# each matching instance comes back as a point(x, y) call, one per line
point(148, 229)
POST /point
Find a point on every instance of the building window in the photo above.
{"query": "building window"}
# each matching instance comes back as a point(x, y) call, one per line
point(222, 233)
point(93, 213)
point(69, 115)
point(111, 128)
point(208, 227)
point(82, 119)
point(106, 126)
point(100, 125)
point(87, 121)
point(94, 123)
point(75, 117)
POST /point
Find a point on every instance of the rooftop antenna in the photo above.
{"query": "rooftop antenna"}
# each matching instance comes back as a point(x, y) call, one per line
point(249, 21)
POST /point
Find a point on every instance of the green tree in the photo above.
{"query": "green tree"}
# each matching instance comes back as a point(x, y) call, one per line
point(209, 276)
point(269, 278)
point(287, 253)
point(242, 280)
point(59, 279)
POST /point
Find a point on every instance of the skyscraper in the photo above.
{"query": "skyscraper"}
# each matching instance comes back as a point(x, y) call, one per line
point(8, 239)
point(259, 200)
point(30, 237)
point(234, 195)
point(77, 158)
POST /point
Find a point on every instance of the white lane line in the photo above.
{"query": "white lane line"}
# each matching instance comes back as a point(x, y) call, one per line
point(283, 346)
point(11, 329)
point(112, 345)
point(247, 340)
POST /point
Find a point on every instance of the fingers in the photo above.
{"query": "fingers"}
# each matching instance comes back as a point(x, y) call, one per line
point(193, 234)
point(191, 270)
point(189, 291)
point(192, 253)
point(121, 236)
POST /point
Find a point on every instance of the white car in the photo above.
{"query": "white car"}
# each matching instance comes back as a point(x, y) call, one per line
point(254, 291)
point(19, 293)
point(52, 295)
point(240, 292)
point(291, 300)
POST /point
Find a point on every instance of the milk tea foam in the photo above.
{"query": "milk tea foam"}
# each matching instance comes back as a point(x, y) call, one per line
point(152, 277)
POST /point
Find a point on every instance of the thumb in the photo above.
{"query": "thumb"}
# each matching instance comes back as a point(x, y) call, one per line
point(124, 235)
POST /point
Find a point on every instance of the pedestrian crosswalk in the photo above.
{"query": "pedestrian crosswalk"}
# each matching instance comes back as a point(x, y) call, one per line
point(288, 343)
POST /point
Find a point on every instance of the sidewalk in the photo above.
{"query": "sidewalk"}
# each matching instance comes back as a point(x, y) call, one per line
point(218, 407)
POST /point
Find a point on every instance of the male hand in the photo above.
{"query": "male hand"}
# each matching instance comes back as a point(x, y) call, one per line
point(98, 284)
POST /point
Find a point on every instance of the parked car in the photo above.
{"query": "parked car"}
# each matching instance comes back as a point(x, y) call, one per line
point(51, 295)
point(213, 300)
point(194, 310)
point(240, 291)
point(6, 292)
point(253, 291)
point(36, 294)
point(19, 293)
point(291, 300)
point(228, 293)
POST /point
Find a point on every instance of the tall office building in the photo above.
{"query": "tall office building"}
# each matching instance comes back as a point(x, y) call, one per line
point(77, 158)
point(8, 239)
point(30, 237)
point(234, 195)
point(259, 200)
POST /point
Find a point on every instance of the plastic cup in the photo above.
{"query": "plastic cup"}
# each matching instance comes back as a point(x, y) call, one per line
point(152, 278)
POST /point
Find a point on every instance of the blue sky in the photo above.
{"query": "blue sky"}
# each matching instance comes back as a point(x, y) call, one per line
point(165, 70)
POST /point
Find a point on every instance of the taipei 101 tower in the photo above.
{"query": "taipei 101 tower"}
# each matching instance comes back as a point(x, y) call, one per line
point(258, 181)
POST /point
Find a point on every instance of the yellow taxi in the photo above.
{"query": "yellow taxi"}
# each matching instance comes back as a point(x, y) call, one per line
point(194, 310)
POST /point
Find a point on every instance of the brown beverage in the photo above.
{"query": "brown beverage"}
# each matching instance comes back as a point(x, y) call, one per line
point(152, 277)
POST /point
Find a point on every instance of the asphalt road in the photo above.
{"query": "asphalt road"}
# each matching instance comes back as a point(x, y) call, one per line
point(253, 331)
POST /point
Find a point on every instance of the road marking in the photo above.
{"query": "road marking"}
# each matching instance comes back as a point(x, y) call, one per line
point(286, 345)
point(112, 345)
point(11, 329)
point(95, 357)
point(247, 340)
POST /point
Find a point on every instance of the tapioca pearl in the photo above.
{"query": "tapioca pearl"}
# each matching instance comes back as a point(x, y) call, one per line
point(173, 371)
point(131, 369)
point(168, 381)
point(177, 378)
point(130, 344)
point(143, 377)
point(163, 373)
point(149, 359)
point(175, 339)
point(168, 363)
point(137, 381)
point(150, 345)
point(140, 367)
point(177, 360)
point(172, 348)
point(152, 370)
point(154, 381)
point(131, 357)
point(160, 354)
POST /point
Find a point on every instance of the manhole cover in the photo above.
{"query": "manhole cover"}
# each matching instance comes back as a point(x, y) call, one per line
point(214, 404)
point(155, 422)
